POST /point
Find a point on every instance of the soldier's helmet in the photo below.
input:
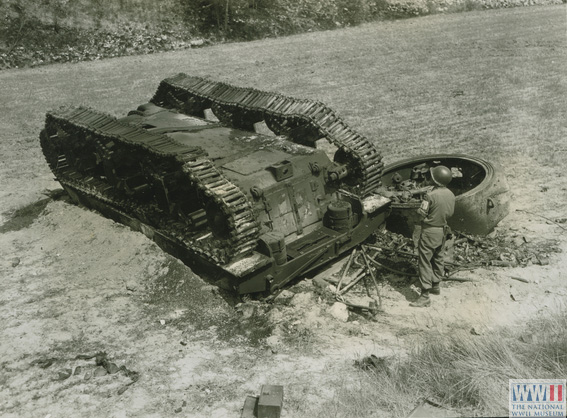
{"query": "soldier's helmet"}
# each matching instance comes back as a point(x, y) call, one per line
point(441, 175)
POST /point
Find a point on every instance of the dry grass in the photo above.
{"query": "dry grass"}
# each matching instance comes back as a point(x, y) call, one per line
point(461, 371)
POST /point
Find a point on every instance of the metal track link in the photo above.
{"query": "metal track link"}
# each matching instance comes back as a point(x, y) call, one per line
point(241, 107)
point(98, 129)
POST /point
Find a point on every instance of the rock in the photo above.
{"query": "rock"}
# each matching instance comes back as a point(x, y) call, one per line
point(112, 368)
point(339, 311)
point(274, 342)
point(78, 370)
point(131, 286)
point(473, 331)
point(100, 371)
point(526, 338)
point(542, 259)
point(247, 310)
point(88, 375)
point(162, 321)
point(64, 374)
point(15, 261)
point(284, 297)
point(372, 362)
point(197, 42)
point(44, 363)
point(302, 299)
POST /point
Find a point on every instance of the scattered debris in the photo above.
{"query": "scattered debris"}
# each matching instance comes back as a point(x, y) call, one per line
point(102, 367)
point(44, 363)
point(372, 363)
point(320, 282)
point(520, 279)
point(100, 371)
point(526, 338)
point(475, 332)
point(541, 216)
point(555, 293)
point(268, 405)
point(131, 286)
point(458, 279)
point(250, 407)
point(499, 249)
point(284, 296)
point(500, 263)
point(246, 309)
point(270, 402)
point(64, 374)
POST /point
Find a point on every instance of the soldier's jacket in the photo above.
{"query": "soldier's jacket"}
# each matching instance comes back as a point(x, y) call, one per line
point(437, 206)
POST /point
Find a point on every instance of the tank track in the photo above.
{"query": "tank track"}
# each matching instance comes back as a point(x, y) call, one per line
point(303, 121)
point(104, 135)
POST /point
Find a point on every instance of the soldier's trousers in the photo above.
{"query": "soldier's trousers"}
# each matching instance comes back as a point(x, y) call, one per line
point(430, 246)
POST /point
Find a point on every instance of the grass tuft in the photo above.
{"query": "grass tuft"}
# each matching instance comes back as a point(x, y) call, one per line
point(461, 371)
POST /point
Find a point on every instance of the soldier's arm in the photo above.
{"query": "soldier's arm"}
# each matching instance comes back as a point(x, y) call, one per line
point(423, 209)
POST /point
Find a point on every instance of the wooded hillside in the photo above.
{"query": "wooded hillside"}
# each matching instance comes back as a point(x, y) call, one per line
point(38, 32)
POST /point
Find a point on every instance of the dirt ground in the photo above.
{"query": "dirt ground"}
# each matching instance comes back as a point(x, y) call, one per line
point(75, 284)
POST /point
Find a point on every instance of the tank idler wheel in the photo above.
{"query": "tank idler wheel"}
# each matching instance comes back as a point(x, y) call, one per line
point(347, 158)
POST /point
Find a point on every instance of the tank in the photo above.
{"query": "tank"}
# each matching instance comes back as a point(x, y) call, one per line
point(256, 209)
point(231, 179)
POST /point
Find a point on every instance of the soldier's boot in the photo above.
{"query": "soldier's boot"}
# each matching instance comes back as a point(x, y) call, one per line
point(422, 301)
point(435, 290)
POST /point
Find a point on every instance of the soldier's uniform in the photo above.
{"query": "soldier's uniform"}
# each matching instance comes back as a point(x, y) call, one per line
point(438, 205)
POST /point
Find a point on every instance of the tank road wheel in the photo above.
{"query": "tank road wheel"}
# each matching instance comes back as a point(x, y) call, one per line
point(277, 124)
point(104, 155)
point(218, 221)
point(196, 107)
point(297, 129)
point(188, 104)
point(235, 117)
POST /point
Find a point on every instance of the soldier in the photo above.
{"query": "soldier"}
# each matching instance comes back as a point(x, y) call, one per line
point(437, 206)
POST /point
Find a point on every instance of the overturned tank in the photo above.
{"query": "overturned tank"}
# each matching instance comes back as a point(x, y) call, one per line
point(256, 210)
point(261, 209)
